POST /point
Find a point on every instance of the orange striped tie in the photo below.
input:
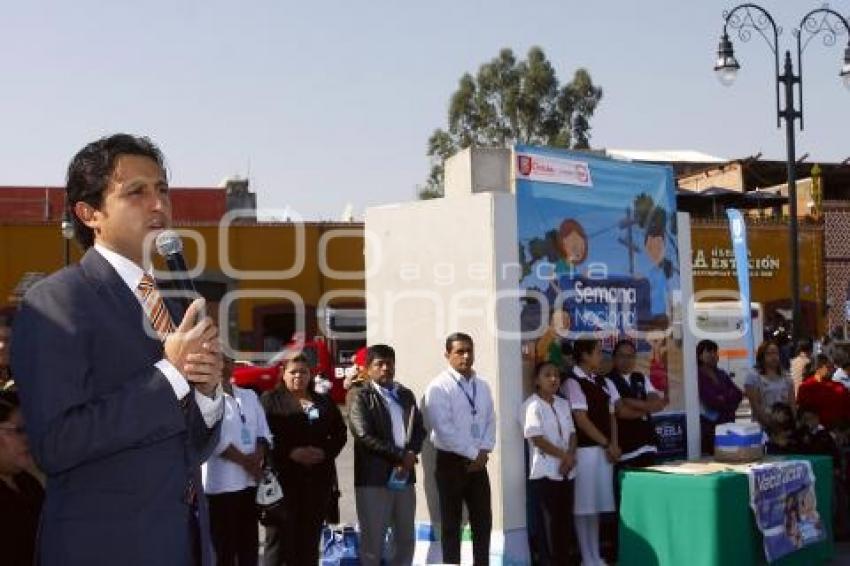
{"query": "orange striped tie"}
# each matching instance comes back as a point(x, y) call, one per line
point(155, 307)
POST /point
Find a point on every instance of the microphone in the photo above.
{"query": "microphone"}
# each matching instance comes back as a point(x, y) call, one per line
point(170, 246)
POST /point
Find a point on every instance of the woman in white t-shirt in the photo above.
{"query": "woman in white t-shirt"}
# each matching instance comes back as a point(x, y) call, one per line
point(593, 399)
point(548, 426)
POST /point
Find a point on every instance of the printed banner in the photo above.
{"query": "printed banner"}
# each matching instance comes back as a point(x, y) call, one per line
point(738, 233)
point(671, 433)
point(599, 256)
point(782, 496)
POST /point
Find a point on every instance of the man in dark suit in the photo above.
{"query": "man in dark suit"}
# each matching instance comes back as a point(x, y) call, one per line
point(105, 372)
point(388, 434)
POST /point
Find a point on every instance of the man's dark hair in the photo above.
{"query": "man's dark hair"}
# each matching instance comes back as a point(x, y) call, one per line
point(622, 344)
point(89, 171)
point(656, 225)
point(457, 337)
point(379, 352)
point(297, 358)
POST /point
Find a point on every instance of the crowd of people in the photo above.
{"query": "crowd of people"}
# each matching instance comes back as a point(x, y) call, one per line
point(809, 394)
point(580, 427)
point(121, 395)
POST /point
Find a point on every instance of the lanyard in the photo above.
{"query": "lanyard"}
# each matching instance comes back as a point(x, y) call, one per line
point(470, 400)
point(391, 393)
point(239, 408)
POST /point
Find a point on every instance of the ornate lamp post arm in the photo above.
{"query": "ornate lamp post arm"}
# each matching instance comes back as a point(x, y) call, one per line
point(828, 24)
point(746, 19)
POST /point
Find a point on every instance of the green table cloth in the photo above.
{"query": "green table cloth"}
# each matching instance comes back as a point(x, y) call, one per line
point(695, 520)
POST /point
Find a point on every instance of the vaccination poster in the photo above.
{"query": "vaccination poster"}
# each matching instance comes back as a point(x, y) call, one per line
point(782, 496)
point(598, 255)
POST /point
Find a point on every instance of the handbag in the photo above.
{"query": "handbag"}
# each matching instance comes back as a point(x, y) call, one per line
point(340, 546)
point(269, 498)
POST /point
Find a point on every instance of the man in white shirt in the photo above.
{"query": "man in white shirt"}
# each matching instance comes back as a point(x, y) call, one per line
point(107, 366)
point(232, 473)
point(459, 407)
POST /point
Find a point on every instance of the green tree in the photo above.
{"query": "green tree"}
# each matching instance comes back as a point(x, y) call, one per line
point(508, 102)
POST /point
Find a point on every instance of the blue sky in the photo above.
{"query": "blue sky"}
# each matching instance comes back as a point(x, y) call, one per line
point(328, 103)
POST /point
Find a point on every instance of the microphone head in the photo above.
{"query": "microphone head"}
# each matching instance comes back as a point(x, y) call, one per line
point(168, 243)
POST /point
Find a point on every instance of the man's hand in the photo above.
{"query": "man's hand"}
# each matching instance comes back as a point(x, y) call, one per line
point(204, 369)
point(479, 463)
point(408, 461)
point(193, 349)
point(254, 464)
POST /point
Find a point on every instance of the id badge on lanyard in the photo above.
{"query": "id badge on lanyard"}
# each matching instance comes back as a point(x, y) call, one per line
point(474, 428)
point(246, 434)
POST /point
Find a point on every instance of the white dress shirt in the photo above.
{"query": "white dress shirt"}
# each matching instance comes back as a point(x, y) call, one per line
point(554, 422)
point(131, 274)
point(449, 402)
point(243, 423)
point(396, 412)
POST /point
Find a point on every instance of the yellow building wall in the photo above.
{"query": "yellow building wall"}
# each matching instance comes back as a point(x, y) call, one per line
point(770, 268)
point(257, 248)
point(272, 247)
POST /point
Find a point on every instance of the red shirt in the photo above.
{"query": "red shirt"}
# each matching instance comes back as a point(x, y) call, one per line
point(829, 399)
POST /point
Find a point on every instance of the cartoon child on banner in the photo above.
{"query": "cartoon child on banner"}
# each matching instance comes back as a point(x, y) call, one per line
point(654, 245)
point(572, 245)
point(658, 276)
point(573, 248)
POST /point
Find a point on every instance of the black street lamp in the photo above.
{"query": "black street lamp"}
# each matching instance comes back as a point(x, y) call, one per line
point(67, 229)
point(748, 18)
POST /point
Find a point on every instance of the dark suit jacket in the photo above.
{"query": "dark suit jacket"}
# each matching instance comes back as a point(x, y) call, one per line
point(291, 429)
point(104, 424)
point(375, 452)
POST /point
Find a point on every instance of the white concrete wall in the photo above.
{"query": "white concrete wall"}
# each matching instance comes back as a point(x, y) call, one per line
point(478, 170)
point(435, 267)
point(689, 341)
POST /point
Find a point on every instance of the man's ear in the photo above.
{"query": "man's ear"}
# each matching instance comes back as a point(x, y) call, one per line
point(86, 213)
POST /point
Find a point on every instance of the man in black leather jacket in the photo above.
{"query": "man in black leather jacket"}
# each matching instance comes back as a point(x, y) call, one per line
point(388, 434)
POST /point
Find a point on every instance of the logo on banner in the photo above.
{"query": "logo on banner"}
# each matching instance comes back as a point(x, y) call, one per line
point(737, 230)
point(553, 170)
